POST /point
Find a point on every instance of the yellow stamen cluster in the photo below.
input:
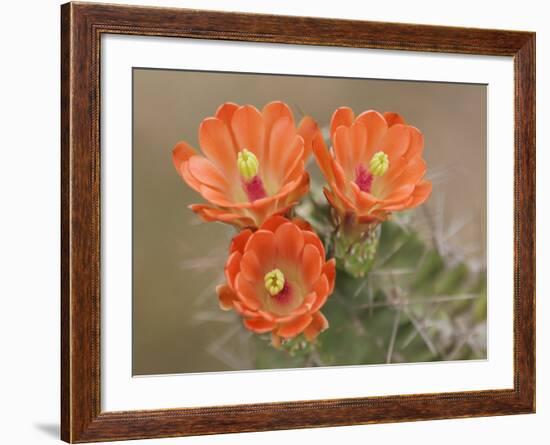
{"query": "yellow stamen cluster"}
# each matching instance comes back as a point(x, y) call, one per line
point(379, 164)
point(274, 281)
point(247, 164)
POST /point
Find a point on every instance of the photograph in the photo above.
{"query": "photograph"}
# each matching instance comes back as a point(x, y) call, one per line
point(279, 221)
point(286, 221)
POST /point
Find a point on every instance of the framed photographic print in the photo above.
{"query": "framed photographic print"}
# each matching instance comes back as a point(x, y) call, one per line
point(276, 222)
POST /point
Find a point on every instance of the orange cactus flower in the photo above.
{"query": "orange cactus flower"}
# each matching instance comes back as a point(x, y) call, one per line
point(278, 280)
point(375, 166)
point(253, 165)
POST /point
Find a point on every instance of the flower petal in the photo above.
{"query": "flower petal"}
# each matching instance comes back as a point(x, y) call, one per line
point(307, 129)
point(216, 196)
point(217, 144)
point(318, 324)
point(348, 203)
point(273, 222)
point(188, 177)
point(207, 173)
point(309, 300)
point(247, 126)
point(246, 292)
point(225, 297)
point(321, 288)
point(329, 270)
point(208, 214)
point(323, 157)
point(343, 150)
point(225, 112)
point(181, 153)
point(232, 267)
point(271, 113)
point(267, 315)
point(239, 241)
point(312, 238)
point(342, 116)
point(292, 164)
point(259, 325)
point(251, 267)
point(393, 118)
point(302, 224)
point(358, 134)
point(294, 327)
point(294, 172)
point(381, 183)
point(299, 311)
point(411, 174)
point(376, 127)
point(421, 193)
point(262, 243)
point(398, 195)
point(396, 142)
point(243, 310)
point(290, 242)
point(293, 191)
point(340, 178)
point(365, 201)
point(281, 138)
point(333, 200)
point(311, 265)
point(416, 143)
point(275, 110)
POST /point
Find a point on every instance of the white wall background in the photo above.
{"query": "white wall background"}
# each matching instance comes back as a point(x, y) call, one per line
point(29, 222)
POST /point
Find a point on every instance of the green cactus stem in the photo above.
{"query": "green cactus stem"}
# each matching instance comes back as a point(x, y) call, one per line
point(355, 246)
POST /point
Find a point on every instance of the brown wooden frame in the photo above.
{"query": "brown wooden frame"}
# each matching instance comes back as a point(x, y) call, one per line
point(82, 25)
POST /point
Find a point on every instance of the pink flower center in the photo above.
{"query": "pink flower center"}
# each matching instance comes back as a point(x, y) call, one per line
point(363, 178)
point(285, 296)
point(254, 189)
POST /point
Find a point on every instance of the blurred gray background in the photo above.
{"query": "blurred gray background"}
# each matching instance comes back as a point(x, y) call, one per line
point(178, 261)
